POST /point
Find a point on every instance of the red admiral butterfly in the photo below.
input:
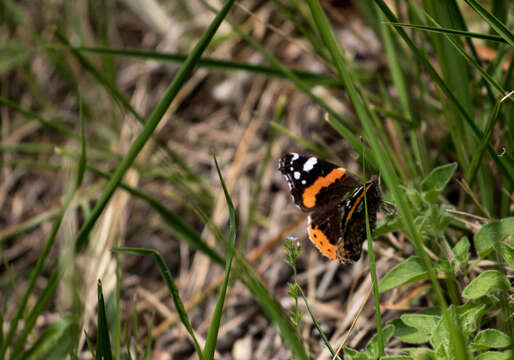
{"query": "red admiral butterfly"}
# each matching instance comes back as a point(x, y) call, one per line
point(335, 200)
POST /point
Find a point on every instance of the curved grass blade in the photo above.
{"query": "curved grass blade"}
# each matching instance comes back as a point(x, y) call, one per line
point(172, 288)
point(212, 335)
point(178, 81)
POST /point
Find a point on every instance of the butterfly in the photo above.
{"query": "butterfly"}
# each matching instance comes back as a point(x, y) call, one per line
point(334, 199)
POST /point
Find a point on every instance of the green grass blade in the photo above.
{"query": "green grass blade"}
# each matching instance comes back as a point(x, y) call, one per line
point(214, 64)
point(302, 85)
point(212, 335)
point(256, 191)
point(479, 152)
point(175, 86)
point(444, 87)
point(49, 340)
point(493, 21)
point(374, 278)
point(118, 96)
point(304, 142)
point(48, 123)
point(172, 288)
point(316, 324)
point(148, 347)
point(38, 267)
point(470, 60)
point(443, 30)
point(30, 320)
point(271, 308)
point(103, 342)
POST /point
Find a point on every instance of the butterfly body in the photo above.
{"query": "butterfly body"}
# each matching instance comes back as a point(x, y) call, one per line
point(334, 199)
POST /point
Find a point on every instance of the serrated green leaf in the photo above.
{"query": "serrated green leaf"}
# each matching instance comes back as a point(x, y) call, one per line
point(486, 282)
point(461, 251)
point(507, 251)
point(491, 338)
point(494, 232)
point(438, 178)
point(406, 272)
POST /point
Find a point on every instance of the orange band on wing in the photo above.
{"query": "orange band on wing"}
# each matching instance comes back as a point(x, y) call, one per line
point(309, 195)
point(361, 196)
point(320, 240)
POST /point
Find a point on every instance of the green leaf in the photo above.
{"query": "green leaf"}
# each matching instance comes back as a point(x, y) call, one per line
point(461, 251)
point(406, 272)
point(440, 338)
point(437, 180)
point(491, 338)
point(421, 353)
point(495, 355)
point(486, 282)
point(494, 232)
point(423, 323)
point(507, 251)
point(472, 311)
point(407, 333)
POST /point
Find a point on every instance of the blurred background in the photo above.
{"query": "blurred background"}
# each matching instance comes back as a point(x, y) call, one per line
point(264, 86)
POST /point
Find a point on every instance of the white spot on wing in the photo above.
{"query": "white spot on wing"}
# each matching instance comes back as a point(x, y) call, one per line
point(304, 182)
point(296, 175)
point(295, 156)
point(291, 168)
point(309, 164)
